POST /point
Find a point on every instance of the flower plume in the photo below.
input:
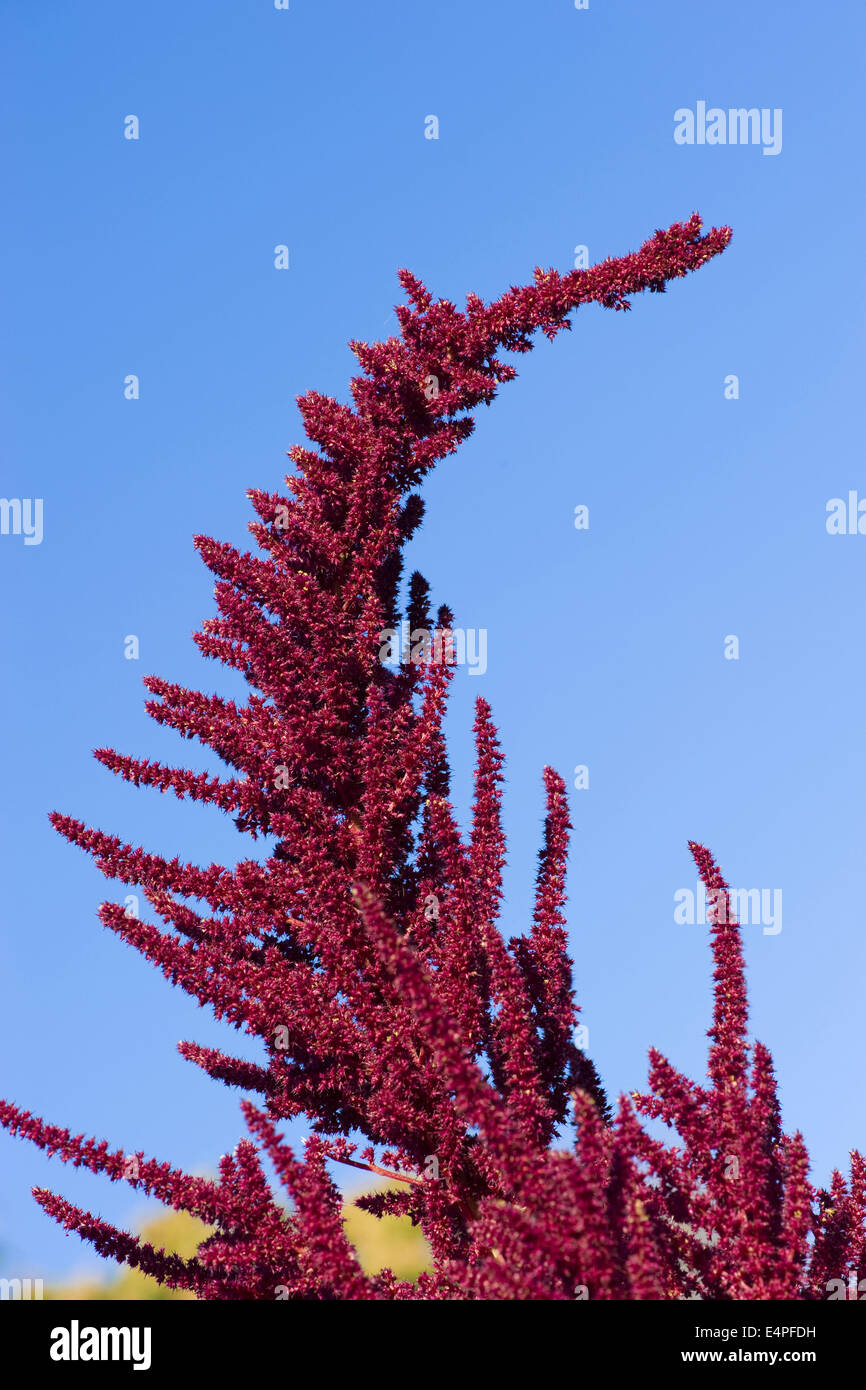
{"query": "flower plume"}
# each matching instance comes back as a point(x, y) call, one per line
point(363, 951)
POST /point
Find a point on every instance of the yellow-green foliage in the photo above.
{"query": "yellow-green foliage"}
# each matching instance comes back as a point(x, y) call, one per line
point(176, 1231)
point(392, 1243)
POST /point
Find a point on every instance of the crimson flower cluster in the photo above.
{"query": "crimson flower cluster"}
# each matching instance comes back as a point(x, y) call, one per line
point(363, 951)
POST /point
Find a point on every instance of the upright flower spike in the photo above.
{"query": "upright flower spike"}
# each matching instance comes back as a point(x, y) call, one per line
point(737, 1195)
point(543, 958)
point(362, 949)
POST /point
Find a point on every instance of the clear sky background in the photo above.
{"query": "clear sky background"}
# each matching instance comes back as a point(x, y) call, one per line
point(605, 648)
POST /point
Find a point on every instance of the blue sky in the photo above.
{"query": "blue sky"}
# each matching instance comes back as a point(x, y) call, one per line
point(605, 647)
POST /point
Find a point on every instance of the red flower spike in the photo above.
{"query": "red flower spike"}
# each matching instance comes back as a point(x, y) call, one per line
point(364, 952)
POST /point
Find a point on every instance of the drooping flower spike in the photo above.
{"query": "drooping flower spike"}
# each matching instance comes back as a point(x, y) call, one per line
point(364, 952)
